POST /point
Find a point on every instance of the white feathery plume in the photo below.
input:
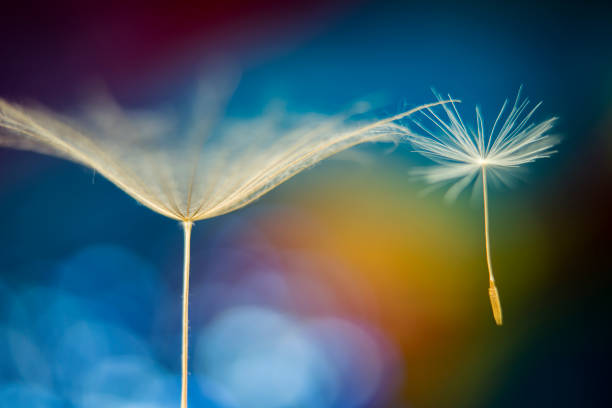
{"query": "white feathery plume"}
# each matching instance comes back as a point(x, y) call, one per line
point(465, 156)
point(190, 172)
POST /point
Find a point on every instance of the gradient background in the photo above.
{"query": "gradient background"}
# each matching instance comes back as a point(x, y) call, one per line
point(344, 287)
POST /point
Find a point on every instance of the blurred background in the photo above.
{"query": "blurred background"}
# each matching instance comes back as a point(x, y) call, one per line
point(344, 287)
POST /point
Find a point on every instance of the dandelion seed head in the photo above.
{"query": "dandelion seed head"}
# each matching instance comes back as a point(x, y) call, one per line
point(461, 151)
point(204, 167)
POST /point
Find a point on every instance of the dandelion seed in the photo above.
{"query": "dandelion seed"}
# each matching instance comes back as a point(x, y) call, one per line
point(204, 169)
point(465, 156)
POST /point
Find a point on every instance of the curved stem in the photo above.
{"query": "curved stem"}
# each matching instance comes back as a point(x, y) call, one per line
point(185, 343)
point(493, 293)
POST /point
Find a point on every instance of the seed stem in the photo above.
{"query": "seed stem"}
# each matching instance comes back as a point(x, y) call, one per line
point(185, 343)
point(493, 293)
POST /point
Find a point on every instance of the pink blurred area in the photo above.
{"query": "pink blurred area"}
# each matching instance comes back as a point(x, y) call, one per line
point(134, 46)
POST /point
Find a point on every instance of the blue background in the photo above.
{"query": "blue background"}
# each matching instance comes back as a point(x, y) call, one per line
point(90, 282)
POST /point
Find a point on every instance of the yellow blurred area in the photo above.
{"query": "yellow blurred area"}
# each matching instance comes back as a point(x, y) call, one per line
point(415, 267)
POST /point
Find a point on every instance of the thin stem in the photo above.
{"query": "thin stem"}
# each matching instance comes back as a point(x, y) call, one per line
point(493, 293)
point(185, 344)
